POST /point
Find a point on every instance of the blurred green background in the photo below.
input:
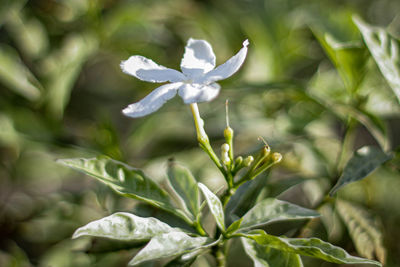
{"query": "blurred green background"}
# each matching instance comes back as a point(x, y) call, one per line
point(62, 93)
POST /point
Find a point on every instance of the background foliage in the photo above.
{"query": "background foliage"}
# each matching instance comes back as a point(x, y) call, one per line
point(307, 70)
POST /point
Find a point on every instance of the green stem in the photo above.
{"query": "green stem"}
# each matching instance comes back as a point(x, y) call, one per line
point(202, 138)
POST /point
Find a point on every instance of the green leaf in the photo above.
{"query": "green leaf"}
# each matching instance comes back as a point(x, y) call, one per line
point(271, 210)
point(365, 230)
point(385, 49)
point(215, 206)
point(125, 180)
point(124, 226)
point(348, 58)
point(185, 186)
point(312, 247)
point(16, 76)
point(245, 197)
point(168, 245)
point(363, 162)
point(270, 257)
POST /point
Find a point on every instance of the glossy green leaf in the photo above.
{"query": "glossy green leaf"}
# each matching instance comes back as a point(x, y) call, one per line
point(168, 245)
point(185, 186)
point(271, 210)
point(16, 76)
point(348, 58)
point(385, 49)
point(365, 230)
point(269, 257)
point(312, 247)
point(215, 206)
point(125, 180)
point(124, 226)
point(363, 162)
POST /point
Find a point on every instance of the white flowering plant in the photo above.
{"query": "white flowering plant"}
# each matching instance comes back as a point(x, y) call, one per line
point(237, 210)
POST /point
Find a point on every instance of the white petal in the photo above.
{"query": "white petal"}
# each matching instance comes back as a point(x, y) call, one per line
point(195, 93)
point(147, 70)
point(228, 68)
point(152, 101)
point(198, 59)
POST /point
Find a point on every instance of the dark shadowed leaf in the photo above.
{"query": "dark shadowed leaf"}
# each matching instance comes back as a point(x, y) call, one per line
point(363, 162)
point(385, 49)
point(124, 226)
point(125, 180)
point(215, 206)
point(271, 210)
point(364, 229)
point(270, 257)
point(168, 245)
point(312, 247)
point(185, 186)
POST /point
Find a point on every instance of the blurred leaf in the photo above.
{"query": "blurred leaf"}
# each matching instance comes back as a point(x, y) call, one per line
point(168, 245)
point(15, 75)
point(312, 247)
point(276, 188)
point(63, 67)
point(272, 210)
point(125, 180)
point(124, 226)
point(365, 231)
point(363, 162)
point(9, 6)
point(8, 134)
point(215, 206)
point(348, 58)
point(29, 34)
point(269, 257)
point(178, 262)
point(385, 49)
point(185, 186)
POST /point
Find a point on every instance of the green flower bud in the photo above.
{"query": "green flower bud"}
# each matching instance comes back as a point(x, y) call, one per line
point(247, 161)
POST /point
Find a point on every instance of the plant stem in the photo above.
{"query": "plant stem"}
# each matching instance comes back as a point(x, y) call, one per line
point(202, 138)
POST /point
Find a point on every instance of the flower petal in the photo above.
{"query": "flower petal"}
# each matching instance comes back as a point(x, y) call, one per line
point(194, 93)
point(147, 70)
point(198, 59)
point(228, 68)
point(152, 101)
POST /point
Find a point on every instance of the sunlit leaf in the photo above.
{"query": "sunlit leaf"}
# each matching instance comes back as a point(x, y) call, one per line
point(271, 210)
point(385, 49)
point(365, 231)
point(215, 206)
point(124, 226)
point(15, 75)
point(312, 247)
point(185, 186)
point(348, 58)
point(363, 162)
point(269, 257)
point(125, 180)
point(168, 245)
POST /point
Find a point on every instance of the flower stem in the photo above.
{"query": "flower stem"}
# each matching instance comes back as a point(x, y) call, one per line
point(203, 138)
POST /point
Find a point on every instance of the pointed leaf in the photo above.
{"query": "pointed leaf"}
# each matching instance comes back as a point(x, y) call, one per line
point(185, 186)
point(365, 231)
point(348, 58)
point(271, 210)
point(125, 180)
point(124, 226)
point(385, 49)
point(270, 257)
point(312, 247)
point(363, 162)
point(215, 206)
point(168, 245)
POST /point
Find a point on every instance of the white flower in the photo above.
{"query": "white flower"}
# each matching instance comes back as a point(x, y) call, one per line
point(196, 82)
